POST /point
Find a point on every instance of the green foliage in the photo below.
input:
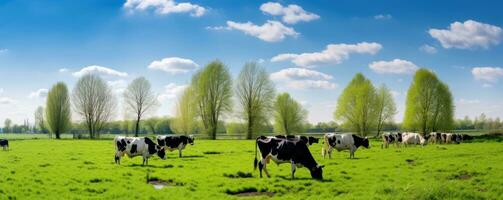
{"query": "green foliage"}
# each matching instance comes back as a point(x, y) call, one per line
point(7, 127)
point(386, 108)
point(235, 128)
point(255, 93)
point(139, 100)
point(289, 116)
point(186, 112)
point(58, 113)
point(429, 104)
point(357, 105)
point(212, 89)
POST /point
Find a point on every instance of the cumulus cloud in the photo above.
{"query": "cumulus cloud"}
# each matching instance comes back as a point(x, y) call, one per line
point(428, 49)
point(290, 14)
point(40, 93)
point(174, 65)
point(171, 92)
point(6, 101)
point(271, 31)
point(164, 7)
point(301, 78)
point(383, 17)
point(489, 74)
point(99, 70)
point(63, 70)
point(396, 66)
point(468, 35)
point(333, 54)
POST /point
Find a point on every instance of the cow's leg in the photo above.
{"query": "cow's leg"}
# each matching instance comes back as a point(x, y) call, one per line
point(323, 151)
point(265, 168)
point(260, 166)
point(293, 169)
point(179, 153)
point(330, 153)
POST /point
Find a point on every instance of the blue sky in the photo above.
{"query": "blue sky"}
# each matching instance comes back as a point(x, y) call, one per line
point(42, 42)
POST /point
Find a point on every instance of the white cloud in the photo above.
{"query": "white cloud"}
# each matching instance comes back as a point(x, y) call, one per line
point(260, 60)
point(300, 78)
point(63, 70)
point(164, 7)
point(383, 17)
point(271, 31)
point(468, 101)
point(174, 65)
point(118, 86)
point(396, 66)
point(428, 49)
point(395, 94)
point(1, 90)
point(291, 14)
point(218, 28)
point(333, 54)
point(299, 73)
point(99, 70)
point(6, 101)
point(468, 35)
point(171, 92)
point(490, 74)
point(40, 93)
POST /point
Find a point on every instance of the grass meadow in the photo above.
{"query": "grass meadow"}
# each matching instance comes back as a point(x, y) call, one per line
point(223, 169)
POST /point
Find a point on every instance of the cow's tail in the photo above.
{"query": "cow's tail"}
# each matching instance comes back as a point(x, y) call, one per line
point(255, 162)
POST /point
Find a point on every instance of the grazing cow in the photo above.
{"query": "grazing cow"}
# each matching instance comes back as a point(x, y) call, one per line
point(172, 142)
point(137, 146)
point(391, 138)
point(453, 138)
point(4, 143)
point(309, 140)
point(466, 137)
point(282, 150)
point(413, 138)
point(343, 142)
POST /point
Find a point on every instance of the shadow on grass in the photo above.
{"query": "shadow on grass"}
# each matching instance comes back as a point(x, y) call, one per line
point(152, 166)
point(304, 179)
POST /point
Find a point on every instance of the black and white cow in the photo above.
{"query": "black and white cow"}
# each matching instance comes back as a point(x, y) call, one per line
point(173, 142)
point(343, 142)
point(137, 146)
point(435, 138)
point(409, 138)
point(4, 143)
point(309, 140)
point(391, 138)
point(453, 138)
point(282, 150)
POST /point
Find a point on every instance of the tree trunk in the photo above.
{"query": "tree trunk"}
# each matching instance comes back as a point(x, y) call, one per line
point(214, 132)
point(57, 134)
point(137, 129)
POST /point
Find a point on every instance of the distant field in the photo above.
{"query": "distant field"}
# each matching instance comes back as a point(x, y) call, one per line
point(222, 169)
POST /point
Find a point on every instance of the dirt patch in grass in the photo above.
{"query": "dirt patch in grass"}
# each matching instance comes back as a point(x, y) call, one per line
point(249, 192)
point(212, 152)
point(411, 162)
point(463, 175)
point(239, 175)
point(159, 183)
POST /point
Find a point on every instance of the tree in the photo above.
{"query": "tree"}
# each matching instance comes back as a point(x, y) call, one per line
point(93, 100)
point(386, 108)
point(151, 123)
point(58, 113)
point(429, 105)
point(7, 126)
point(357, 105)
point(255, 92)
point(139, 99)
point(212, 89)
point(289, 116)
point(39, 119)
point(186, 111)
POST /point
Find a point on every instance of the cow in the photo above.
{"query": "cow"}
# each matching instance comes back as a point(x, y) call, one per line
point(453, 138)
point(282, 150)
point(137, 146)
point(343, 142)
point(4, 143)
point(172, 142)
point(466, 137)
point(309, 140)
point(391, 138)
point(435, 137)
point(413, 138)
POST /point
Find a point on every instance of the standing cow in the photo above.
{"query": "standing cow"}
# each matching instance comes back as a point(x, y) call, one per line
point(4, 143)
point(391, 138)
point(435, 138)
point(343, 142)
point(413, 139)
point(282, 150)
point(137, 146)
point(172, 142)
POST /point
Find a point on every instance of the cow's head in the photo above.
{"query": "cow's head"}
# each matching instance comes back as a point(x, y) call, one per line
point(317, 172)
point(161, 152)
point(365, 143)
point(399, 137)
point(312, 140)
point(191, 139)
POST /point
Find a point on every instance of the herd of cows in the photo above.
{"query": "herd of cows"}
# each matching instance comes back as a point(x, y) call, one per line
point(280, 148)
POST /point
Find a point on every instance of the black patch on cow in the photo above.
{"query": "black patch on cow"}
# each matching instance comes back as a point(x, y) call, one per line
point(4, 143)
point(133, 148)
point(121, 145)
point(173, 141)
point(312, 140)
point(399, 139)
point(338, 142)
point(151, 145)
point(160, 142)
point(360, 141)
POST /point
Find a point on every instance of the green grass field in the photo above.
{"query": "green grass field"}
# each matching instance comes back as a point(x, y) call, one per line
point(223, 169)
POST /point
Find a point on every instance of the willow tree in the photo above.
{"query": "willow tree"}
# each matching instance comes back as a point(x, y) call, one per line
point(40, 119)
point(289, 116)
point(94, 102)
point(255, 93)
point(212, 88)
point(429, 105)
point(139, 99)
point(186, 112)
point(357, 105)
point(57, 112)
point(386, 108)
